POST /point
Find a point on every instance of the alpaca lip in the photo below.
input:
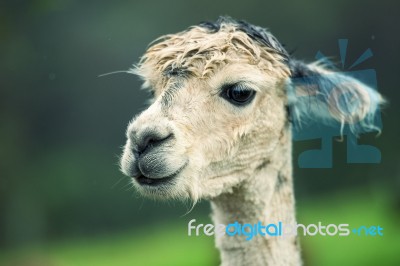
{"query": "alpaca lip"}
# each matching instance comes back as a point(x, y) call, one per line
point(143, 180)
point(148, 181)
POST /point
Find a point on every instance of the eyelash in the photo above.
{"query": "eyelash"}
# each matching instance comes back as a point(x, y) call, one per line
point(238, 94)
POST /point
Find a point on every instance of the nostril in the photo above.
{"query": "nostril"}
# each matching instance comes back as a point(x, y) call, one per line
point(150, 140)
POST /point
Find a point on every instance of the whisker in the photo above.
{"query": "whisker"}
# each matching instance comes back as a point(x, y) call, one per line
point(114, 72)
point(116, 183)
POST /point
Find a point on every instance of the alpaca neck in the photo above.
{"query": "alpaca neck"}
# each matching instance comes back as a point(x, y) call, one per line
point(267, 197)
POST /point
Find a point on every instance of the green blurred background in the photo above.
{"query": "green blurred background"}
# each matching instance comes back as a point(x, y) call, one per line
point(63, 200)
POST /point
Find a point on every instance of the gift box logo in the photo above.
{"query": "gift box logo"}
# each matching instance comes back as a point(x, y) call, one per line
point(356, 153)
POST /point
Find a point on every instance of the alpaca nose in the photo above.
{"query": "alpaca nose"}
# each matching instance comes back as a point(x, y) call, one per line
point(150, 140)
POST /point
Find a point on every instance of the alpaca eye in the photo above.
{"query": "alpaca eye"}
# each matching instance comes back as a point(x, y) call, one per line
point(238, 95)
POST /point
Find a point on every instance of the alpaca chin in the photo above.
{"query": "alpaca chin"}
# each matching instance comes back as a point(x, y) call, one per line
point(174, 186)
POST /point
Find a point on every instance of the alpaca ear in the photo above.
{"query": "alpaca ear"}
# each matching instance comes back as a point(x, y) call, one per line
point(317, 94)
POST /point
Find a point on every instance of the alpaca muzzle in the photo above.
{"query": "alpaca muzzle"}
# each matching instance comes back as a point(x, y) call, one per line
point(149, 156)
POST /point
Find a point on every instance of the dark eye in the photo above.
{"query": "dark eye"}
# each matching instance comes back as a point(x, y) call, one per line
point(238, 94)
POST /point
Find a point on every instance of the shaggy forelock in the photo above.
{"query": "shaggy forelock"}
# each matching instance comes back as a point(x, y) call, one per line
point(202, 49)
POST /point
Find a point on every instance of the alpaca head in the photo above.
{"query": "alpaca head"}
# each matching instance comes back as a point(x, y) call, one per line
point(221, 94)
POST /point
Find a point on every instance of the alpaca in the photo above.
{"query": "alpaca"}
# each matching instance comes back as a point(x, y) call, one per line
point(219, 129)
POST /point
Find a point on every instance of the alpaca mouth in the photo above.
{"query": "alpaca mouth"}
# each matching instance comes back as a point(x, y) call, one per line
point(148, 181)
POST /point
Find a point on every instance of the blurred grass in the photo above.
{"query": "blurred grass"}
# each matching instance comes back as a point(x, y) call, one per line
point(356, 208)
point(163, 245)
point(169, 244)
